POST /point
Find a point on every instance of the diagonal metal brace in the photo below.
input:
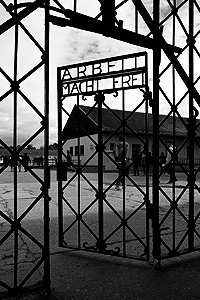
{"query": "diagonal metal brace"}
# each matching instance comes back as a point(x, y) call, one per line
point(20, 16)
point(167, 50)
point(83, 22)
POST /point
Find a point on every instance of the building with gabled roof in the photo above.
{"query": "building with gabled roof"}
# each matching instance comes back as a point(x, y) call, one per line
point(83, 123)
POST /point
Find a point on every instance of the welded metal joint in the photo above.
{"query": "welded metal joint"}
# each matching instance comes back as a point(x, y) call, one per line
point(101, 245)
point(123, 123)
point(15, 225)
point(173, 204)
point(108, 12)
point(174, 10)
point(44, 122)
point(124, 222)
point(174, 108)
point(191, 40)
point(15, 85)
point(79, 217)
point(191, 225)
point(99, 97)
point(102, 194)
point(147, 95)
point(99, 147)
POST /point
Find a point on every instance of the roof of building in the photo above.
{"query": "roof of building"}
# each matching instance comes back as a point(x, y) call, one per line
point(135, 122)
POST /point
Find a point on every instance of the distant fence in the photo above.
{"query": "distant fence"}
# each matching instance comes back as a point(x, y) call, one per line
point(52, 161)
point(186, 160)
point(39, 161)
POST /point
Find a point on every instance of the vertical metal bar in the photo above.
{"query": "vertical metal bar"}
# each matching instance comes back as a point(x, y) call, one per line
point(124, 204)
point(136, 20)
point(191, 130)
point(124, 194)
point(75, 5)
point(100, 98)
point(15, 148)
point(124, 134)
point(146, 149)
point(155, 111)
point(46, 153)
point(173, 134)
point(79, 174)
point(59, 162)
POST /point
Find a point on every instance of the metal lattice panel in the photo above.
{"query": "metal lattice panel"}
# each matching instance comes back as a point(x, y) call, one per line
point(93, 215)
point(181, 103)
point(169, 31)
point(24, 253)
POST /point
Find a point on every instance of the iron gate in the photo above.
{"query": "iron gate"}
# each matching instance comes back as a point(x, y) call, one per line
point(176, 204)
point(181, 198)
point(24, 203)
point(93, 215)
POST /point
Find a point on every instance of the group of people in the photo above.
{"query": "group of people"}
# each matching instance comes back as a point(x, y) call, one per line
point(121, 151)
point(140, 163)
point(25, 162)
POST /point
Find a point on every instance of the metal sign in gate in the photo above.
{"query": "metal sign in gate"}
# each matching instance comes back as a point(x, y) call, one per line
point(97, 102)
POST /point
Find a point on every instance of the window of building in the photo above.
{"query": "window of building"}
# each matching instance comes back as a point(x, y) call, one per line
point(76, 150)
point(82, 150)
point(71, 151)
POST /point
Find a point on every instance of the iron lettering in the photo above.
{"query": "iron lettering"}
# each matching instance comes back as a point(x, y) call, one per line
point(120, 73)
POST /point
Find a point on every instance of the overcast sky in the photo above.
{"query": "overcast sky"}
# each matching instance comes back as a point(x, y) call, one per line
point(67, 46)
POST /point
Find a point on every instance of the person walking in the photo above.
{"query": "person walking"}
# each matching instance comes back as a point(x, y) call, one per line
point(135, 159)
point(69, 160)
point(169, 164)
point(143, 164)
point(162, 161)
point(26, 160)
point(120, 152)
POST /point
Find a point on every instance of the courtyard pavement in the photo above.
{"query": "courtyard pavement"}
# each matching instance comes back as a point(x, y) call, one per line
point(82, 275)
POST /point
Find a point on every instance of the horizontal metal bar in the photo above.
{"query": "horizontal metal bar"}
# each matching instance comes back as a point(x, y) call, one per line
point(87, 23)
point(105, 60)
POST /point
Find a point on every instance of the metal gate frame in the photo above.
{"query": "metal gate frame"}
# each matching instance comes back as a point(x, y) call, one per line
point(191, 125)
point(18, 281)
point(172, 52)
point(155, 25)
point(100, 243)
